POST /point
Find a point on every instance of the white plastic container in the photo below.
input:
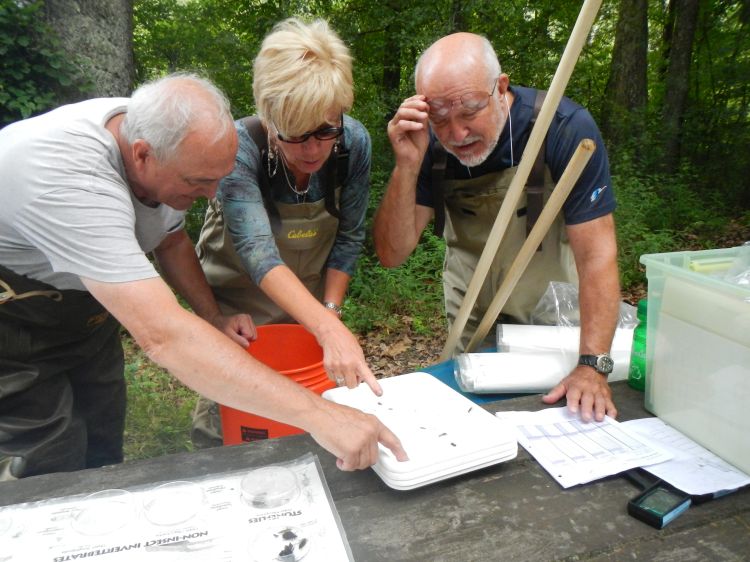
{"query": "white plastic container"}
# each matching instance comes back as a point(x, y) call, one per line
point(698, 350)
point(444, 433)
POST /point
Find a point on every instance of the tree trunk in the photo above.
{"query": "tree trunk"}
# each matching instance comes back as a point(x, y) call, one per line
point(391, 72)
point(626, 93)
point(457, 21)
point(392, 60)
point(98, 33)
point(677, 79)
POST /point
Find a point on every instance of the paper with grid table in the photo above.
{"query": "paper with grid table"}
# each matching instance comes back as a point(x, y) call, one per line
point(576, 452)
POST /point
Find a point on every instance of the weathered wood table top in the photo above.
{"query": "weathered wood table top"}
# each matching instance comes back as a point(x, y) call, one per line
point(512, 511)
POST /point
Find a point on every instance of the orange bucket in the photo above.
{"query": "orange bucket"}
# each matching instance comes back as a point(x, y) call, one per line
point(292, 351)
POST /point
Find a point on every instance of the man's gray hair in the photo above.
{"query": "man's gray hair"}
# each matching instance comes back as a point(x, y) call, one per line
point(162, 112)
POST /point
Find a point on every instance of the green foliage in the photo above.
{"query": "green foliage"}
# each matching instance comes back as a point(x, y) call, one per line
point(215, 38)
point(380, 298)
point(194, 219)
point(661, 213)
point(159, 408)
point(34, 70)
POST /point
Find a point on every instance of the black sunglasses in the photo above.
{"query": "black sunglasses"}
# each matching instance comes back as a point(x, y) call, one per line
point(324, 133)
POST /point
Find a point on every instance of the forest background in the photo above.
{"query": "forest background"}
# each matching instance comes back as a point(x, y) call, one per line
point(667, 81)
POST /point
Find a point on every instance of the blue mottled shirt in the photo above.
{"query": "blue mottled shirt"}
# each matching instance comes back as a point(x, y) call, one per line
point(247, 219)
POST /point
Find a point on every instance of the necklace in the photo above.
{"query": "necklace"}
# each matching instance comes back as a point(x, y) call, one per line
point(293, 186)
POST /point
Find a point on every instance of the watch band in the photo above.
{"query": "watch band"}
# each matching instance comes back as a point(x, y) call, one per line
point(602, 363)
point(333, 306)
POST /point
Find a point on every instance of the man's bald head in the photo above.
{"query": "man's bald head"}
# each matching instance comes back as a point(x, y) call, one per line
point(458, 54)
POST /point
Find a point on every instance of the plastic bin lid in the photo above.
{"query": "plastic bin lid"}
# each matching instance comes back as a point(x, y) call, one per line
point(443, 432)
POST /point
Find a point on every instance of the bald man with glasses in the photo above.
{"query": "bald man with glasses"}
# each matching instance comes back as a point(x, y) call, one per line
point(457, 144)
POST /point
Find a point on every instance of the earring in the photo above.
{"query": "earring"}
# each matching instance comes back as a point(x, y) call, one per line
point(273, 160)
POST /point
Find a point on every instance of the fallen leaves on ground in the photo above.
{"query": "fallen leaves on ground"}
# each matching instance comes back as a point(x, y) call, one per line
point(403, 350)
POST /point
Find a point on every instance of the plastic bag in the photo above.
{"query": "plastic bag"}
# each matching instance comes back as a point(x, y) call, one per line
point(559, 307)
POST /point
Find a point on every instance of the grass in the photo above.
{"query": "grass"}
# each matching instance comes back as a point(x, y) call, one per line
point(159, 408)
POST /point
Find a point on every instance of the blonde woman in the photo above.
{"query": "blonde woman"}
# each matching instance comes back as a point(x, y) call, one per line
point(284, 232)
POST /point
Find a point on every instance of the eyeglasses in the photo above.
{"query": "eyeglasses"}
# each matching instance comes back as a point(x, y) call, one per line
point(471, 103)
point(323, 133)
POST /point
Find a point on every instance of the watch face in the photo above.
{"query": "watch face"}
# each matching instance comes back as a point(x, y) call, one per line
point(604, 364)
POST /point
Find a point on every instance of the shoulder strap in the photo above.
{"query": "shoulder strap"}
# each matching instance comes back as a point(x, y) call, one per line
point(535, 183)
point(337, 168)
point(437, 174)
point(258, 134)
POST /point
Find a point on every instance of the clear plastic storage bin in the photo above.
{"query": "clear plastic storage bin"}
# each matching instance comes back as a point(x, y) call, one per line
point(698, 350)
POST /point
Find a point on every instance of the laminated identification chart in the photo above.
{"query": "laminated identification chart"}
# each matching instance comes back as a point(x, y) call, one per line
point(276, 513)
point(576, 452)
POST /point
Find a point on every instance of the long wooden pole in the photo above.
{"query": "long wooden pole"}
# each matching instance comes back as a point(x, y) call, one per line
point(557, 87)
point(570, 176)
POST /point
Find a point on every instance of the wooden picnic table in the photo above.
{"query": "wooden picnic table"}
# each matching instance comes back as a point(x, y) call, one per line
point(512, 511)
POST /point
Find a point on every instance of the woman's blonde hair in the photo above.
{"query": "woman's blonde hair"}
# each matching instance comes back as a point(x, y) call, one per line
point(303, 70)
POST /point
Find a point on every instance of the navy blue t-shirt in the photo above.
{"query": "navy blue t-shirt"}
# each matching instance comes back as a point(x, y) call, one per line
point(591, 197)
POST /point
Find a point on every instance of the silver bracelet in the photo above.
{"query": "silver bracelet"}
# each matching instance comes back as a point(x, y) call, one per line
point(333, 306)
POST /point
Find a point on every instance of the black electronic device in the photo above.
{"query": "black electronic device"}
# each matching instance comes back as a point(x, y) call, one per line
point(660, 503)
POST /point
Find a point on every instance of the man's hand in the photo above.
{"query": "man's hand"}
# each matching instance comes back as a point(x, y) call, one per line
point(344, 360)
point(353, 437)
point(239, 327)
point(408, 132)
point(587, 390)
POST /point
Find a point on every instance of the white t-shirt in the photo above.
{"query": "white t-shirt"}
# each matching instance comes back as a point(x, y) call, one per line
point(66, 209)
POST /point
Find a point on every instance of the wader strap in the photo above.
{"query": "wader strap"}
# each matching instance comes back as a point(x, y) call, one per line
point(337, 168)
point(258, 134)
point(535, 183)
point(439, 160)
point(8, 294)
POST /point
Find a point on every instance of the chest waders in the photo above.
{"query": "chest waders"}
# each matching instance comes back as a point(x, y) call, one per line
point(304, 234)
point(472, 206)
point(62, 391)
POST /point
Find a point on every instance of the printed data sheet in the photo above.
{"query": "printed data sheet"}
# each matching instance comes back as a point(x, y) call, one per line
point(575, 452)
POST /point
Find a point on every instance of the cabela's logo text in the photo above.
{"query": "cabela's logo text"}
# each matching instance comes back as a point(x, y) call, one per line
point(309, 233)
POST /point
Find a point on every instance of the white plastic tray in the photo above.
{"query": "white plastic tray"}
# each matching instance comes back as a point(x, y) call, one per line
point(444, 433)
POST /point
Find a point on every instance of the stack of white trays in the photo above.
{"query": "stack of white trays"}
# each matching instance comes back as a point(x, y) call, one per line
point(444, 433)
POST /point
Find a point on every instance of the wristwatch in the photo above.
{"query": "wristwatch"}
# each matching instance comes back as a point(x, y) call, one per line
point(333, 306)
point(603, 363)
